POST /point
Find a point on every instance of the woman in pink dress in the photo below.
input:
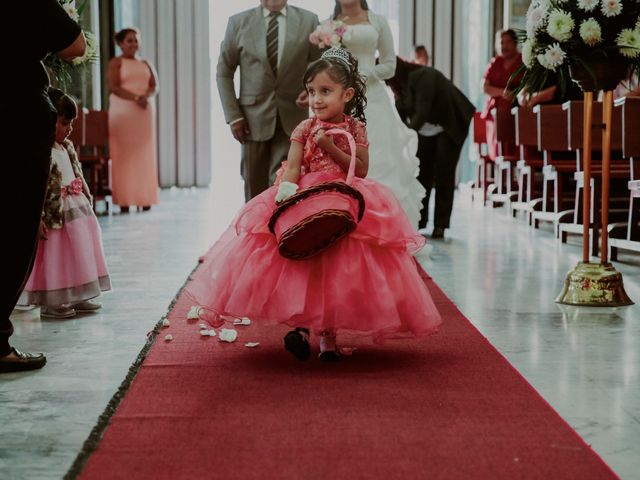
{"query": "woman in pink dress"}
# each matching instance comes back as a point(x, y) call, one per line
point(69, 268)
point(496, 80)
point(132, 126)
point(366, 283)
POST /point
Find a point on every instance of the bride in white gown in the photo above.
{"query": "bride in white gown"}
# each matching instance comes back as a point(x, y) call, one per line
point(393, 146)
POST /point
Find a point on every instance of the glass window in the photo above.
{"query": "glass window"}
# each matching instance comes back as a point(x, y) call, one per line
point(127, 14)
point(476, 51)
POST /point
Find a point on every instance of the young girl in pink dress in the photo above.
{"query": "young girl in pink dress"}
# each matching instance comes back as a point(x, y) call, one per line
point(69, 268)
point(366, 283)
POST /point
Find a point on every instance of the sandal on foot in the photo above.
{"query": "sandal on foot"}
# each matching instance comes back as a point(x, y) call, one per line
point(296, 342)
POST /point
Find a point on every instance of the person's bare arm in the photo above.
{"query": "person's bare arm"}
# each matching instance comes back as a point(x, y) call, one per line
point(153, 80)
point(294, 163)
point(543, 96)
point(634, 93)
point(76, 49)
point(493, 91)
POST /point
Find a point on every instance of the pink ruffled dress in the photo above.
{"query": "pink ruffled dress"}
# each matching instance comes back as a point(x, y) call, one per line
point(69, 266)
point(365, 284)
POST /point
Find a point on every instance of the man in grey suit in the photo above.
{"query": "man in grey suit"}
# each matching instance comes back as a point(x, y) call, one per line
point(270, 45)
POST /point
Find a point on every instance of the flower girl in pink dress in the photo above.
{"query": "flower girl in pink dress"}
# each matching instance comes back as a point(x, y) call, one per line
point(366, 283)
point(69, 268)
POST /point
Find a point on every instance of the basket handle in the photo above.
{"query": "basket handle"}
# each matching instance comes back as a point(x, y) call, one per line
point(352, 145)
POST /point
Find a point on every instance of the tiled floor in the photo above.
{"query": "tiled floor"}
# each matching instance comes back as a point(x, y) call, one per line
point(503, 276)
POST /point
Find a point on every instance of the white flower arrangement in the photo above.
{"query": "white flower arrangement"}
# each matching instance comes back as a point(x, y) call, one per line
point(561, 33)
point(611, 8)
point(63, 70)
point(588, 5)
point(527, 53)
point(629, 43)
point(560, 25)
point(590, 32)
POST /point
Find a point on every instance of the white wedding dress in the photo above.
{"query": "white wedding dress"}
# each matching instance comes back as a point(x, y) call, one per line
point(392, 145)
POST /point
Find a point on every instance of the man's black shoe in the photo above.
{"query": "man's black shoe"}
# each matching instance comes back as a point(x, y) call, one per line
point(18, 361)
point(438, 233)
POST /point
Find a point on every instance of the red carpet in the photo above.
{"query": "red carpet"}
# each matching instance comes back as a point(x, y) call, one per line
point(445, 407)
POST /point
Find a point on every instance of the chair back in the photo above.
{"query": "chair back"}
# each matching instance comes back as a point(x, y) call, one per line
point(479, 129)
point(96, 128)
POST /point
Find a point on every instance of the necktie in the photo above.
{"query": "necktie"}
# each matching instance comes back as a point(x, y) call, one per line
point(272, 41)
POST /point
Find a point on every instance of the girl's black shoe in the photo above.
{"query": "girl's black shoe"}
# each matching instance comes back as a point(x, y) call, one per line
point(297, 343)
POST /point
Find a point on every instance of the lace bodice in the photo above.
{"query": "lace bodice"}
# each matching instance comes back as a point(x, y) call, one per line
point(368, 39)
point(315, 159)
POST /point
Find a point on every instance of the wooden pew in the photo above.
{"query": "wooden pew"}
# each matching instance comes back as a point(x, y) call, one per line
point(626, 236)
point(501, 191)
point(94, 155)
point(559, 165)
point(530, 161)
point(619, 172)
point(484, 171)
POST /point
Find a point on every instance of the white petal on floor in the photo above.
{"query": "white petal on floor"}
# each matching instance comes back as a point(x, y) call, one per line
point(194, 313)
point(168, 337)
point(166, 322)
point(252, 344)
point(211, 333)
point(204, 333)
point(242, 321)
point(228, 335)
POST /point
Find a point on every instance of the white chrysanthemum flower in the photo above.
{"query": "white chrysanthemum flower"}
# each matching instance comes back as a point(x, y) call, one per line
point(536, 17)
point(590, 32)
point(638, 24)
point(611, 8)
point(629, 42)
point(560, 25)
point(527, 53)
point(588, 5)
point(542, 60)
point(553, 57)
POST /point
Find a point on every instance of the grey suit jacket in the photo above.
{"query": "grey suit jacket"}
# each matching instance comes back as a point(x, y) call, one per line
point(263, 96)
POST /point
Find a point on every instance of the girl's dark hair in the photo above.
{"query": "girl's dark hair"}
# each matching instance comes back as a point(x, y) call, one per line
point(400, 80)
point(65, 105)
point(122, 34)
point(338, 9)
point(347, 76)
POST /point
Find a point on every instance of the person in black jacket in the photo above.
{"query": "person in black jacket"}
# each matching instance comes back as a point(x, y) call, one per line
point(27, 140)
point(441, 114)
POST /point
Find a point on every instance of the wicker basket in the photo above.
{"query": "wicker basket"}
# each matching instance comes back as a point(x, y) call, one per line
point(316, 217)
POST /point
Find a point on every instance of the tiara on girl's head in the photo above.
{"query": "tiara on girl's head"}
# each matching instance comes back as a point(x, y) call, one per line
point(339, 53)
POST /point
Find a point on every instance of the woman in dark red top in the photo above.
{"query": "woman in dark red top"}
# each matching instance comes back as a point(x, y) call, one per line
point(496, 79)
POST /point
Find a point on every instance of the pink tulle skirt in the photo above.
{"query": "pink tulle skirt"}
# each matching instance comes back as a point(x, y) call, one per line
point(366, 283)
point(69, 266)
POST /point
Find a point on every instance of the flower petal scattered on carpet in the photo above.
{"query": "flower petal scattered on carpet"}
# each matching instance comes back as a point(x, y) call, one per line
point(228, 335)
